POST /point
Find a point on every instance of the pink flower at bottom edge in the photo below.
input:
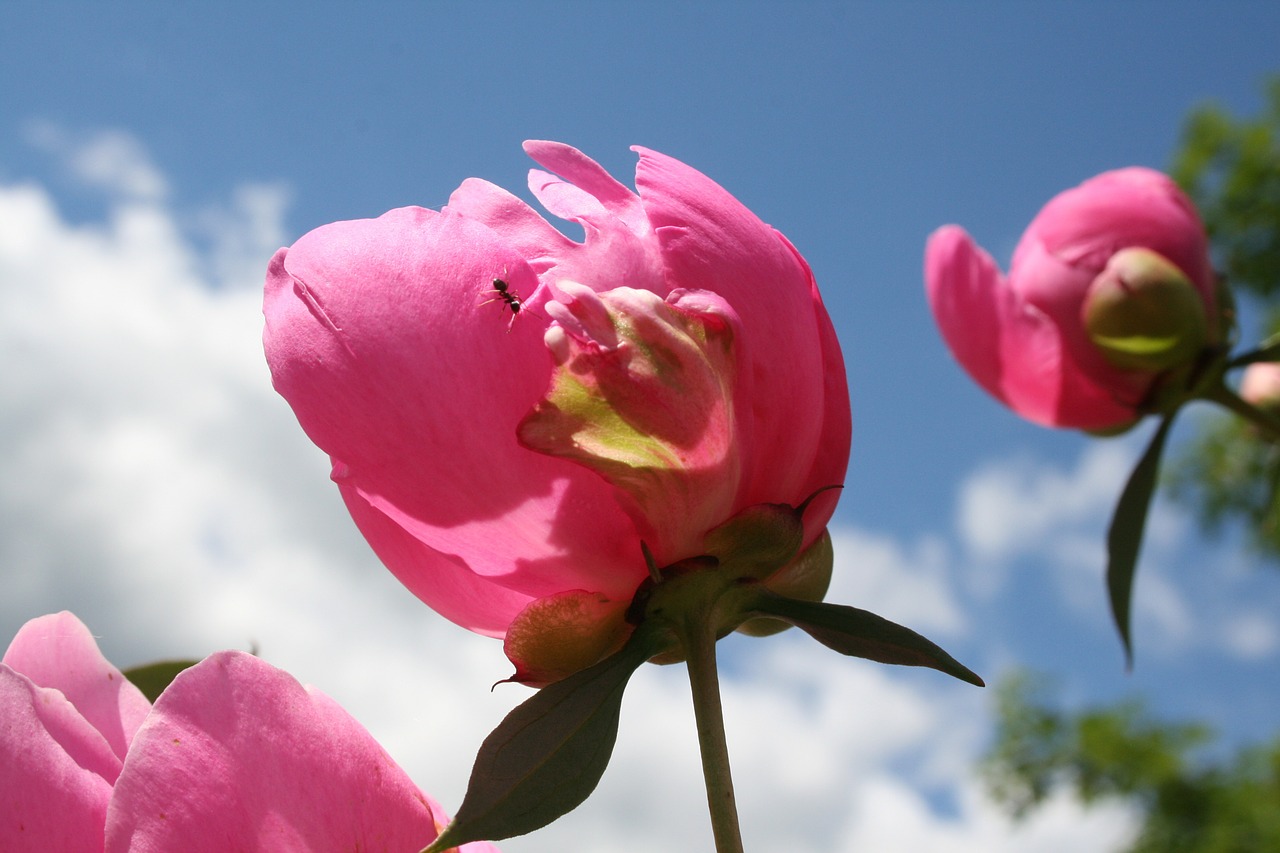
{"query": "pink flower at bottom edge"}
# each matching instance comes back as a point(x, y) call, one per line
point(236, 755)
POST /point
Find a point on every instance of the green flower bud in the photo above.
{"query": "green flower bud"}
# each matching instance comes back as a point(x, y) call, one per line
point(1143, 313)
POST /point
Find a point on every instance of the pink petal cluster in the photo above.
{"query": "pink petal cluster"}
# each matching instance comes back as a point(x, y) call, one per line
point(235, 755)
point(413, 346)
point(1022, 337)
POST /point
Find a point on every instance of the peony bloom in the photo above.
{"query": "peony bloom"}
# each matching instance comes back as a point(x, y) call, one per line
point(1110, 293)
point(235, 755)
point(510, 413)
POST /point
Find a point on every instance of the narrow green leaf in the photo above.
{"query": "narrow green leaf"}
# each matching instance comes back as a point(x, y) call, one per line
point(549, 753)
point(863, 634)
point(1124, 536)
point(153, 678)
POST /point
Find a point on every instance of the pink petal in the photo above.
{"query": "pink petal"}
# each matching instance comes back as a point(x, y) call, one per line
point(1009, 347)
point(982, 321)
point(1124, 208)
point(711, 241)
point(831, 455)
point(378, 336)
point(237, 755)
point(523, 230)
point(619, 248)
point(591, 180)
point(443, 581)
point(58, 651)
point(56, 771)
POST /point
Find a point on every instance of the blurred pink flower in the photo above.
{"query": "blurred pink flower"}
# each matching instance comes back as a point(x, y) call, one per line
point(509, 413)
point(235, 755)
point(1260, 385)
point(1035, 339)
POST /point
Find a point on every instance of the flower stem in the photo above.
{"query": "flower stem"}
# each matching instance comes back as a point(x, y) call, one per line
point(1264, 420)
point(1268, 351)
point(698, 637)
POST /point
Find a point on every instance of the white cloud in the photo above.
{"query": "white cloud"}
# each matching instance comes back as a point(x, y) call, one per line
point(110, 160)
point(1024, 511)
point(156, 486)
point(913, 588)
point(1024, 514)
point(1251, 635)
point(1014, 506)
point(891, 818)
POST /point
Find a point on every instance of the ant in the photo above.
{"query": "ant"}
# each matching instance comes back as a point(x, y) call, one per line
point(509, 297)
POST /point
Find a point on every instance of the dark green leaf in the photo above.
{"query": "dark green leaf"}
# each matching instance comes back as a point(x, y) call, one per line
point(1124, 536)
point(153, 678)
point(860, 633)
point(549, 753)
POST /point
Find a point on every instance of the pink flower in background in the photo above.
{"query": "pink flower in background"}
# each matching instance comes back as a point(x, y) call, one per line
point(510, 413)
point(1110, 286)
point(1260, 385)
point(235, 755)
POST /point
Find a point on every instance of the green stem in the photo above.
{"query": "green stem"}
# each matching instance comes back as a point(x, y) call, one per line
point(1268, 351)
point(1264, 420)
point(698, 637)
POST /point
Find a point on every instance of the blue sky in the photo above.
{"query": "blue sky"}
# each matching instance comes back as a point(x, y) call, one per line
point(152, 157)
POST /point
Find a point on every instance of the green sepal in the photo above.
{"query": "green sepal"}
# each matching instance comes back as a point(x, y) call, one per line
point(759, 540)
point(1124, 535)
point(807, 578)
point(862, 634)
point(153, 678)
point(547, 756)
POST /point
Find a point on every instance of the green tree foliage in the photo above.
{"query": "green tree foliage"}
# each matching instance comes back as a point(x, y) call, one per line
point(1189, 802)
point(1231, 169)
point(1228, 472)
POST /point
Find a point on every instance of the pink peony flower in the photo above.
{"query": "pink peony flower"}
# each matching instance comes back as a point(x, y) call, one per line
point(1110, 290)
point(235, 755)
point(510, 413)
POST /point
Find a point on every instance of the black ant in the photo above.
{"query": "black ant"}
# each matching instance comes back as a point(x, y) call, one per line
point(508, 297)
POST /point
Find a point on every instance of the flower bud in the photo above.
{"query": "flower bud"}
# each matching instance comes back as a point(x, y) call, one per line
point(1260, 386)
point(1143, 312)
point(558, 635)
